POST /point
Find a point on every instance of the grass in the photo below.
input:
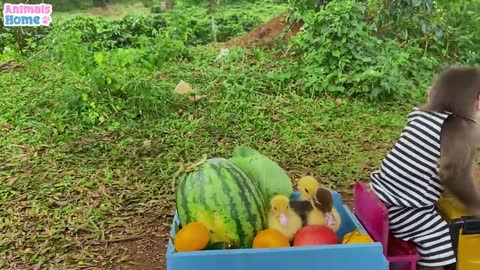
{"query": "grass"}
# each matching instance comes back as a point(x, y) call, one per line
point(67, 188)
point(63, 195)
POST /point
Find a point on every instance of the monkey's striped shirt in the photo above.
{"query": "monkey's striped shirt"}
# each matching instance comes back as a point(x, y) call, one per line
point(408, 183)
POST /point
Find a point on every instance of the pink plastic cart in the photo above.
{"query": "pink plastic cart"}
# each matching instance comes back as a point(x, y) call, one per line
point(372, 213)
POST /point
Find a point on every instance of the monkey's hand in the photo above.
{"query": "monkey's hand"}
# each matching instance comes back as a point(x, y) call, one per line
point(457, 161)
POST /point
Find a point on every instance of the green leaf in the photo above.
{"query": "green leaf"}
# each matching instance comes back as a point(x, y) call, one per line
point(98, 58)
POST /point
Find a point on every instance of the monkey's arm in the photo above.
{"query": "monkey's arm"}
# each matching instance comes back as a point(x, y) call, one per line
point(457, 161)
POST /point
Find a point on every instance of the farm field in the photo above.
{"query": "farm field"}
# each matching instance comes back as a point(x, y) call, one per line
point(99, 110)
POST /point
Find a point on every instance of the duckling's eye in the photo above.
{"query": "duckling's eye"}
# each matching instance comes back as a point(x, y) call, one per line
point(275, 208)
point(305, 190)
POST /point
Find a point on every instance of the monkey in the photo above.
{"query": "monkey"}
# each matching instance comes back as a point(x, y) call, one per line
point(458, 91)
point(435, 152)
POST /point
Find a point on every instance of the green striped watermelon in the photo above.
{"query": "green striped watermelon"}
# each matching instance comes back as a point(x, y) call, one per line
point(223, 197)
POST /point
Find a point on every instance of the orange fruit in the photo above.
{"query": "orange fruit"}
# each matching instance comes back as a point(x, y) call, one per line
point(270, 238)
point(194, 236)
point(356, 237)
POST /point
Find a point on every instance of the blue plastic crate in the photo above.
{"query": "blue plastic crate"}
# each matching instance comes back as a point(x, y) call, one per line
point(328, 257)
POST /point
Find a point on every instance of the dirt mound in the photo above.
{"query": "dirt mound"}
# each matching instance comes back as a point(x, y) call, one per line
point(268, 32)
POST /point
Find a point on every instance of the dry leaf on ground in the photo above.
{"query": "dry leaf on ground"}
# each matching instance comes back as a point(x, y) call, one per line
point(183, 88)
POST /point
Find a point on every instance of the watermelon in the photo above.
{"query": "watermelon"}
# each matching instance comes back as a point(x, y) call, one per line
point(220, 195)
point(270, 177)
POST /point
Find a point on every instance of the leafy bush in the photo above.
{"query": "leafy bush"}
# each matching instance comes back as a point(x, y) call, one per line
point(108, 65)
point(100, 33)
point(341, 56)
point(444, 29)
point(381, 50)
point(462, 38)
point(112, 84)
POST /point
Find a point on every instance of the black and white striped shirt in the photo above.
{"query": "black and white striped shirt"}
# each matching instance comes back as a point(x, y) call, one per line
point(408, 175)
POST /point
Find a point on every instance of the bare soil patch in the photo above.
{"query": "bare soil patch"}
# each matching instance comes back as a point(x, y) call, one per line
point(144, 251)
point(268, 32)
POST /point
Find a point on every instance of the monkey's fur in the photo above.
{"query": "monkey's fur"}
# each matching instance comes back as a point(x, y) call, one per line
point(457, 90)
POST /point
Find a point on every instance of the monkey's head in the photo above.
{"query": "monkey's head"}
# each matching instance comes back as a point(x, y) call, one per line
point(456, 90)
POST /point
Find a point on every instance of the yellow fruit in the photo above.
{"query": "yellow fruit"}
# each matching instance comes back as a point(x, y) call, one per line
point(194, 236)
point(356, 237)
point(270, 238)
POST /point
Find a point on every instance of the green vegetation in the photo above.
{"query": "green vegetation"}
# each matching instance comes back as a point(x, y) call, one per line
point(92, 130)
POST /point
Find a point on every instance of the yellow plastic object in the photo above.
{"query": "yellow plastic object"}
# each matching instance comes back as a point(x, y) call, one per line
point(465, 231)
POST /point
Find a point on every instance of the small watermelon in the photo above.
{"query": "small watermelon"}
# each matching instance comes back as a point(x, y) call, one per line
point(270, 177)
point(220, 195)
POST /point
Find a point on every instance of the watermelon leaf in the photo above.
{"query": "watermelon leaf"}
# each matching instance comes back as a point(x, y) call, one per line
point(268, 175)
point(244, 151)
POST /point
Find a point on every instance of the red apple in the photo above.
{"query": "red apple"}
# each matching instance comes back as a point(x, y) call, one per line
point(315, 235)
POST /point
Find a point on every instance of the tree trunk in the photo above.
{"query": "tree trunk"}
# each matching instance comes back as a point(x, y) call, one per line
point(99, 3)
point(213, 9)
point(169, 4)
point(321, 3)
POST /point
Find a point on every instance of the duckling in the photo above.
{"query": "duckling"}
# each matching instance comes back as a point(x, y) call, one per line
point(303, 209)
point(307, 185)
point(323, 202)
point(282, 218)
point(315, 216)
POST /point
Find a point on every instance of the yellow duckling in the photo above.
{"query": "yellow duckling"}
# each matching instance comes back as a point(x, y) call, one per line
point(323, 202)
point(307, 185)
point(315, 216)
point(282, 218)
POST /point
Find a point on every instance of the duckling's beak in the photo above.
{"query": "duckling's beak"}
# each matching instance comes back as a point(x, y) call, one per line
point(283, 219)
point(330, 219)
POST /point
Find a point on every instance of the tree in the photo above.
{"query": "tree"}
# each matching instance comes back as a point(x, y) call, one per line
point(212, 9)
point(169, 4)
point(100, 3)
